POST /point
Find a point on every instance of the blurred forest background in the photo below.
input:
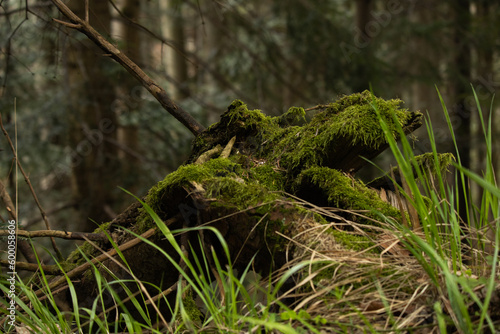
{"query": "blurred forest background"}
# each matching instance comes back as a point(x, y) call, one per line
point(86, 127)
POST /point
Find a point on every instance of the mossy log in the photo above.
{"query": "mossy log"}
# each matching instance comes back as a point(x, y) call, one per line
point(250, 195)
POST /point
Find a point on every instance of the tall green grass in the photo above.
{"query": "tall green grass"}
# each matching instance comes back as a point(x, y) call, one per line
point(441, 248)
point(232, 303)
point(50, 314)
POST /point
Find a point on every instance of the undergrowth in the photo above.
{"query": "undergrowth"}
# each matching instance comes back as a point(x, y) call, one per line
point(439, 273)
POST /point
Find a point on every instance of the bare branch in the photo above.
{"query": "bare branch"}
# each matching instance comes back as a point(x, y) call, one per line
point(67, 24)
point(82, 268)
point(58, 234)
point(48, 269)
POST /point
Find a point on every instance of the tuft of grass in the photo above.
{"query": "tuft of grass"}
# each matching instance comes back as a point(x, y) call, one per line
point(440, 246)
point(51, 314)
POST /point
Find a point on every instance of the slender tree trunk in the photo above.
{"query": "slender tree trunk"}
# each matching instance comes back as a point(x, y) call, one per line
point(210, 39)
point(425, 52)
point(363, 16)
point(128, 101)
point(92, 122)
point(485, 90)
point(363, 19)
point(173, 29)
point(461, 90)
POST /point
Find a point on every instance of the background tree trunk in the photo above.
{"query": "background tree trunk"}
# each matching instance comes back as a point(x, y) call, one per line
point(175, 58)
point(209, 40)
point(129, 101)
point(364, 36)
point(484, 84)
point(461, 91)
point(92, 122)
point(423, 58)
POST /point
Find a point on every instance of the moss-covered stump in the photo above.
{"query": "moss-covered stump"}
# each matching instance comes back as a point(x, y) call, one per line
point(336, 137)
point(241, 178)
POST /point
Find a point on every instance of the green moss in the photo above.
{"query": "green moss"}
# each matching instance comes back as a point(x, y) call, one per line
point(293, 148)
point(239, 194)
point(268, 177)
point(427, 162)
point(349, 122)
point(76, 258)
point(354, 242)
point(237, 121)
point(189, 173)
point(354, 115)
point(238, 115)
point(102, 227)
point(279, 154)
point(342, 191)
point(192, 311)
point(280, 141)
point(144, 222)
point(294, 116)
point(222, 179)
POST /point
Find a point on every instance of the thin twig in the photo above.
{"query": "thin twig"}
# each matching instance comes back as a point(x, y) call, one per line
point(27, 179)
point(67, 24)
point(58, 234)
point(82, 268)
point(34, 267)
point(26, 9)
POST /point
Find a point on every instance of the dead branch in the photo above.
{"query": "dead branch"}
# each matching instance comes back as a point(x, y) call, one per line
point(34, 267)
point(158, 92)
point(58, 234)
point(82, 268)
